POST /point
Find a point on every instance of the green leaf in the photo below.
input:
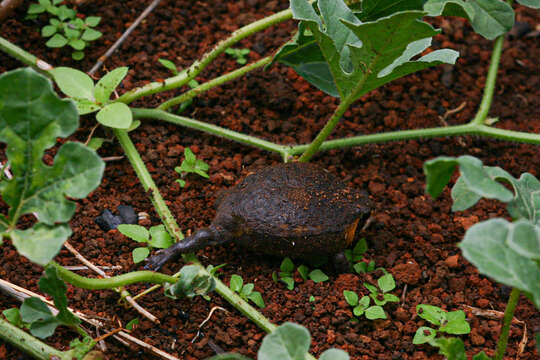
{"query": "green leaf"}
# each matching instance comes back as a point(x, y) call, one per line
point(287, 266)
point(433, 314)
point(51, 284)
point(189, 156)
point(360, 268)
point(64, 13)
point(318, 276)
point(423, 335)
point(139, 254)
point(247, 289)
point(40, 243)
point(303, 270)
point(77, 55)
point(85, 106)
point(524, 238)
point(132, 323)
point(192, 282)
point(95, 143)
point(439, 170)
point(160, 238)
point(14, 317)
point(489, 18)
point(135, 124)
point(481, 356)
point(77, 44)
point(36, 312)
point(359, 249)
point(91, 35)
point(485, 245)
point(451, 348)
point(169, 65)
point(375, 312)
point(288, 281)
point(92, 20)
point(74, 83)
point(115, 115)
point(288, 342)
point(257, 299)
point(334, 354)
point(390, 298)
point(361, 56)
point(134, 232)
point(44, 328)
point(35, 9)
point(456, 324)
point(71, 33)
point(372, 288)
point(81, 348)
point(535, 4)
point(48, 30)
point(376, 9)
point(236, 283)
point(229, 356)
point(57, 41)
point(386, 283)
point(351, 297)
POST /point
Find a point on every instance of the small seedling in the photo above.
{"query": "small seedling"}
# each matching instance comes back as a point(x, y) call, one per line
point(132, 324)
point(191, 164)
point(286, 272)
point(246, 291)
point(156, 237)
point(238, 54)
point(362, 306)
point(452, 322)
point(64, 27)
point(356, 255)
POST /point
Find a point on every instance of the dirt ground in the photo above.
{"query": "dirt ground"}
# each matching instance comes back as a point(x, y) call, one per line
point(413, 236)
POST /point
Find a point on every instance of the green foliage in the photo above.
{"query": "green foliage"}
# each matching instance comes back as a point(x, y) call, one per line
point(169, 65)
point(157, 237)
point(192, 83)
point(132, 324)
point(81, 348)
point(13, 315)
point(192, 282)
point(89, 98)
point(286, 274)
point(348, 54)
point(191, 164)
point(356, 255)
point(535, 4)
point(32, 117)
point(64, 27)
point(489, 18)
point(246, 291)
point(506, 251)
point(380, 296)
point(453, 322)
point(239, 54)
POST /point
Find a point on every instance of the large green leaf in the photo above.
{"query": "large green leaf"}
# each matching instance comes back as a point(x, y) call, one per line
point(40, 243)
point(334, 354)
point(376, 9)
point(344, 57)
point(489, 18)
point(42, 322)
point(51, 284)
point(486, 246)
point(535, 4)
point(289, 341)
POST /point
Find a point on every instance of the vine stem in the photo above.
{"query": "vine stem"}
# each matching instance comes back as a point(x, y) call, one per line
point(507, 321)
point(29, 344)
point(214, 82)
point(199, 65)
point(112, 282)
point(24, 56)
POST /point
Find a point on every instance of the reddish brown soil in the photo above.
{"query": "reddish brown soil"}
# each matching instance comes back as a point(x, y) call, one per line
point(412, 236)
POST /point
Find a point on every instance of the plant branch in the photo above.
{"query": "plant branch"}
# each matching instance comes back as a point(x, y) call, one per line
point(113, 282)
point(507, 321)
point(213, 83)
point(25, 57)
point(491, 81)
point(209, 128)
point(29, 344)
point(186, 75)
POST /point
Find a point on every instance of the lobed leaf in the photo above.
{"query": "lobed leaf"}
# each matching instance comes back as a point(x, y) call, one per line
point(485, 245)
point(37, 313)
point(288, 342)
point(40, 243)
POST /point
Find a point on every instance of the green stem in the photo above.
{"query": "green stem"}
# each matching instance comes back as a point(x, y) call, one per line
point(457, 130)
point(213, 83)
point(148, 184)
point(112, 282)
point(24, 56)
point(507, 321)
point(491, 81)
point(29, 344)
point(185, 76)
point(209, 128)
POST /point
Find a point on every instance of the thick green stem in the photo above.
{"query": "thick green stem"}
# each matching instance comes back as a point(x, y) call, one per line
point(491, 81)
point(24, 56)
point(29, 344)
point(185, 76)
point(148, 184)
point(507, 321)
point(209, 128)
point(213, 83)
point(112, 282)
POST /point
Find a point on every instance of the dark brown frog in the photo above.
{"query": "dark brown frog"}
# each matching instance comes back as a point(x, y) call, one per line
point(293, 209)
